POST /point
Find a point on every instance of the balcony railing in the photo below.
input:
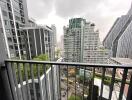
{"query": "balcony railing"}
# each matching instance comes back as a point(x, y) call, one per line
point(44, 80)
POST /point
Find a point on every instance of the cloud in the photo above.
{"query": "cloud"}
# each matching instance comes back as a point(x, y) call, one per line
point(102, 12)
point(70, 8)
point(39, 8)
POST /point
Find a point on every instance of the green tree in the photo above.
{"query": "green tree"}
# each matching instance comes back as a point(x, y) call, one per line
point(43, 57)
point(81, 80)
point(72, 97)
point(57, 53)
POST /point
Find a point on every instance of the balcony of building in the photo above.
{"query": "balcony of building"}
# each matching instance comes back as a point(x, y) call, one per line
point(44, 80)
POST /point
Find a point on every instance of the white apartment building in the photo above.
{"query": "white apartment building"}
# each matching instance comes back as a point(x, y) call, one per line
point(13, 15)
point(81, 42)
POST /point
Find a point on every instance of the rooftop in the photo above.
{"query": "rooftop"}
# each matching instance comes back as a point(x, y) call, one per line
point(122, 61)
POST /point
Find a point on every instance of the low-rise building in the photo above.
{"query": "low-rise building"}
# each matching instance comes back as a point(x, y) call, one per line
point(39, 40)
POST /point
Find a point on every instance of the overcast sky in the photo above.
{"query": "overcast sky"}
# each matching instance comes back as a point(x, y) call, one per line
point(101, 12)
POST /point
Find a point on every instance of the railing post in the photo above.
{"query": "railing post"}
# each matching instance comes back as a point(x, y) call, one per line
point(129, 95)
point(11, 81)
point(4, 84)
point(123, 83)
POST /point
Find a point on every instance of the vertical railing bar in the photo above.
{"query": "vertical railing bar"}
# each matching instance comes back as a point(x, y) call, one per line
point(20, 79)
point(38, 75)
point(52, 76)
point(112, 83)
point(14, 96)
point(33, 83)
point(59, 83)
point(84, 81)
point(27, 84)
point(123, 83)
point(129, 94)
point(102, 82)
point(67, 82)
point(79, 82)
point(45, 77)
point(75, 80)
point(15, 80)
point(93, 83)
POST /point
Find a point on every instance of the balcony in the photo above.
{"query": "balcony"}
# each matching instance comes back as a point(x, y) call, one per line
point(44, 80)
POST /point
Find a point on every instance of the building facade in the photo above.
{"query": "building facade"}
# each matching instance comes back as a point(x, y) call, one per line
point(13, 15)
point(90, 43)
point(53, 27)
point(39, 40)
point(81, 42)
point(124, 48)
point(72, 40)
point(111, 41)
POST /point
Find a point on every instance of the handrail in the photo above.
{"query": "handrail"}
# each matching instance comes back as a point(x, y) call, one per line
point(129, 66)
point(53, 78)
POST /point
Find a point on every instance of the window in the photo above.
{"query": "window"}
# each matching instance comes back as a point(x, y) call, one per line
point(18, 33)
point(20, 1)
point(7, 31)
point(9, 39)
point(11, 46)
point(9, 6)
point(16, 47)
point(13, 32)
point(30, 39)
point(20, 39)
point(23, 20)
point(21, 52)
point(6, 22)
point(12, 24)
point(8, 0)
point(21, 6)
point(21, 46)
point(15, 41)
point(17, 18)
point(31, 45)
point(10, 16)
point(22, 13)
point(4, 13)
point(17, 25)
point(46, 39)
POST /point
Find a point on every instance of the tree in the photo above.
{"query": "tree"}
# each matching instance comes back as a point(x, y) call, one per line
point(57, 53)
point(72, 97)
point(43, 57)
point(81, 80)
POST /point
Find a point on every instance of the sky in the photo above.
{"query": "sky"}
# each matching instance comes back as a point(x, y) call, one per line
point(101, 12)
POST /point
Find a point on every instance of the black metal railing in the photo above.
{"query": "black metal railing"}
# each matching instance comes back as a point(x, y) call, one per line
point(44, 80)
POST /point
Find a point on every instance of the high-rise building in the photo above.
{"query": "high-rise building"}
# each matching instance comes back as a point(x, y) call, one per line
point(81, 42)
point(19, 36)
point(89, 43)
point(118, 29)
point(39, 40)
point(13, 16)
point(61, 45)
point(124, 48)
point(72, 40)
point(53, 27)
